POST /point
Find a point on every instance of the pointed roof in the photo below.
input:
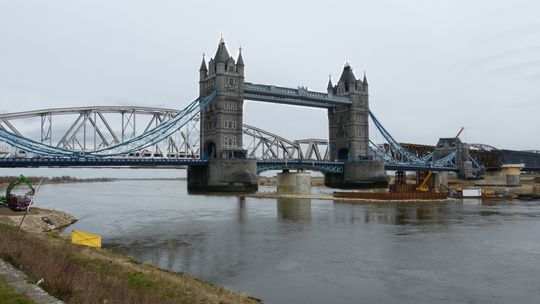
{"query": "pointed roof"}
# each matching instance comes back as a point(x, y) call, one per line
point(347, 76)
point(330, 85)
point(203, 65)
point(365, 79)
point(222, 55)
point(240, 60)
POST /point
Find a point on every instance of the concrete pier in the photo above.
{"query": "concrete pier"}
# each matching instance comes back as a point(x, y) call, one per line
point(440, 181)
point(293, 182)
point(512, 173)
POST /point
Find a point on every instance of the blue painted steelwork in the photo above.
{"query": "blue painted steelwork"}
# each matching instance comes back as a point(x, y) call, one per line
point(322, 166)
point(394, 145)
point(402, 158)
point(157, 134)
point(137, 143)
point(417, 167)
point(299, 97)
point(99, 162)
point(33, 146)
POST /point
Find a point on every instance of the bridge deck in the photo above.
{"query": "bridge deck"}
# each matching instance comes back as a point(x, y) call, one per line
point(262, 165)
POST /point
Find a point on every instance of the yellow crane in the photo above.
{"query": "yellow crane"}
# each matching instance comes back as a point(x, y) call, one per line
point(423, 186)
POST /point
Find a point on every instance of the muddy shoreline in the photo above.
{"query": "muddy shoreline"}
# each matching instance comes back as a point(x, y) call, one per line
point(37, 219)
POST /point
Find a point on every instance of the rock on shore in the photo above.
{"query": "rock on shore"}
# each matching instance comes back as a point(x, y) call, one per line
point(37, 219)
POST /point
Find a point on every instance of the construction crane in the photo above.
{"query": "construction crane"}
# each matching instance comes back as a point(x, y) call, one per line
point(423, 186)
point(459, 133)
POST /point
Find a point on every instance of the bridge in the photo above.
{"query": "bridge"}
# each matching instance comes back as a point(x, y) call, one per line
point(209, 137)
point(87, 129)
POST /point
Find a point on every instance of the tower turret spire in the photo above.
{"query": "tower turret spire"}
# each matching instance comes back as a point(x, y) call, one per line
point(203, 65)
point(330, 85)
point(364, 82)
point(240, 60)
point(222, 55)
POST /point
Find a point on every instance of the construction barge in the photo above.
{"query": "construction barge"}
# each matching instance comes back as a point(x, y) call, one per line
point(393, 196)
point(423, 190)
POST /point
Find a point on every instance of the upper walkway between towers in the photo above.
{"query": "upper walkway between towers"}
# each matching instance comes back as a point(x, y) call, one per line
point(300, 96)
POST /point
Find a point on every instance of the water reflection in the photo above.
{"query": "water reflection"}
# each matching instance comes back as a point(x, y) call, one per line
point(398, 213)
point(294, 209)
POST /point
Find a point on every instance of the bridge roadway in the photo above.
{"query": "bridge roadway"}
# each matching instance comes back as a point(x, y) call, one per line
point(262, 165)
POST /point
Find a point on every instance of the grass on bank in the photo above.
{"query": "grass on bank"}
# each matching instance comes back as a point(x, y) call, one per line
point(83, 275)
point(9, 296)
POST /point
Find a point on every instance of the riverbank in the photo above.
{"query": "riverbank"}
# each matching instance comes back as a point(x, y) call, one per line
point(76, 274)
point(37, 219)
point(5, 180)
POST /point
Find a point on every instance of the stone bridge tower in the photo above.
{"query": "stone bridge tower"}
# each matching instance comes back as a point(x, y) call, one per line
point(221, 130)
point(348, 124)
point(221, 121)
point(348, 128)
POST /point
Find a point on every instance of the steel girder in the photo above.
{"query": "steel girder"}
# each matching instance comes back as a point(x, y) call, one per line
point(71, 145)
point(94, 128)
point(314, 148)
point(14, 162)
point(264, 145)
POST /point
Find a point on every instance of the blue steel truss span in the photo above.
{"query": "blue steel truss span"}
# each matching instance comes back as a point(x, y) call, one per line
point(138, 143)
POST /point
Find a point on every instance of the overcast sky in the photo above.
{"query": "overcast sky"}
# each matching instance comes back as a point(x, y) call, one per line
point(433, 66)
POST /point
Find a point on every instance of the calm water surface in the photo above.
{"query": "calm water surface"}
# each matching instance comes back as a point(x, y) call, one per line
point(312, 251)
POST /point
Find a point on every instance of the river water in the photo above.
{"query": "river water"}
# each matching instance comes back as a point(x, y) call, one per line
point(314, 251)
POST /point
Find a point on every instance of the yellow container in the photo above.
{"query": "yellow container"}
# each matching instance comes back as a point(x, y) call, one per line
point(85, 239)
point(489, 192)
